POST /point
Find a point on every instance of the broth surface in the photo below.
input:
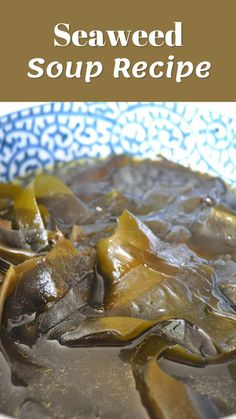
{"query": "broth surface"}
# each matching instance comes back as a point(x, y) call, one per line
point(118, 293)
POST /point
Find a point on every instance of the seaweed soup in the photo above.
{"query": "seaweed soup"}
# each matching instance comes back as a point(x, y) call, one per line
point(118, 293)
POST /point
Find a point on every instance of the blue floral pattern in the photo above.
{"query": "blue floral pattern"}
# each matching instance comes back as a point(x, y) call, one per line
point(39, 136)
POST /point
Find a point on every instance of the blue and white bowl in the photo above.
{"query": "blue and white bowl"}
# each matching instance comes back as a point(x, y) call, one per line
point(41, 135)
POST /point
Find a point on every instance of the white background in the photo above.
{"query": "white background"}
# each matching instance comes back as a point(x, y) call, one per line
point(224, 108)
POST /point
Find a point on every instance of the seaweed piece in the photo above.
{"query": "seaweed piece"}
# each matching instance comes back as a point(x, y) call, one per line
point(105, 330)
point(37, 283)
point(164, 396)
point(28, 217)
point(64, 207)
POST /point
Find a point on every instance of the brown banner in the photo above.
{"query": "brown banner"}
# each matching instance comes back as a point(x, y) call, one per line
point(207, 34)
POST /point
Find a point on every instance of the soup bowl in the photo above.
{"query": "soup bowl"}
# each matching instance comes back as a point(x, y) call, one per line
point(61, 132)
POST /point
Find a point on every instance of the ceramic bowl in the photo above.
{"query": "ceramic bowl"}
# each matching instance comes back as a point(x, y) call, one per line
point(39, 136)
